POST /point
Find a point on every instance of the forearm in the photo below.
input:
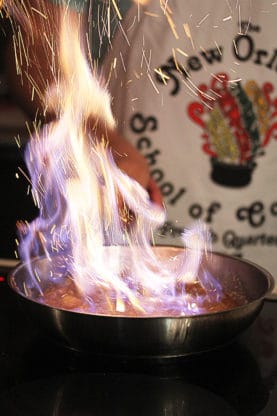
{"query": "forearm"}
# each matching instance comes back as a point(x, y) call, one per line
point(32, 54)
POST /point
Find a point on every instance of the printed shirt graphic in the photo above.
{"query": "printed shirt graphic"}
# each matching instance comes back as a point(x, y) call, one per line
point(194, 88)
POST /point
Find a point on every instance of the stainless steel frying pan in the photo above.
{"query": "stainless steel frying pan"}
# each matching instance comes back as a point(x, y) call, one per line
point(161, 336)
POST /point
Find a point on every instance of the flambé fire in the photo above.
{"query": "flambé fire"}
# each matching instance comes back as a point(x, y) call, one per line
point(77, 185)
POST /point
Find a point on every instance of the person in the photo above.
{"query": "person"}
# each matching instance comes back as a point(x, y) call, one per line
point(194, 90)
point(37, 67)
point(36, 24)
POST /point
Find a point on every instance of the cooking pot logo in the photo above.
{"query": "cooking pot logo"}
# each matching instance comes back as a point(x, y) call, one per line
point(238, 122)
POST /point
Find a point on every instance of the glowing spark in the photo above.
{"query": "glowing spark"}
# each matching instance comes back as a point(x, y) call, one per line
point(163, 76)
point(192, 87)
point(24, 174)
point(218, 48)
point(22, 46)
point(17, 141)
point(136, 75)
point(151, 14)
point(124, 34)
point(235, 46)
point(188, 33)
point(172, 25)
point(122, 61)
point(18, 68)
point(117, 9)
point(34, 85)
point(153, 84)
point(203, 19)
point(49, 44)
point(182, 52)
point(231, 81)
point(175, 60)
point(142, 2)
point(39, 12)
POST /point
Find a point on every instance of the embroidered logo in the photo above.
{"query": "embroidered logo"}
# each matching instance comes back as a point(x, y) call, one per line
point(238, 122)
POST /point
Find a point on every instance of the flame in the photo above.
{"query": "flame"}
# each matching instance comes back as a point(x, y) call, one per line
point(77, 186)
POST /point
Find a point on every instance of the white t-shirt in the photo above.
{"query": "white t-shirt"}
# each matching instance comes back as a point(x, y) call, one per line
point(194, 89)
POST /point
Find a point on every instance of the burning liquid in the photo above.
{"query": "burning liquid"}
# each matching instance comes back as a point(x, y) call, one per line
point(102, 302)
point(77, 186)
point(60, 291)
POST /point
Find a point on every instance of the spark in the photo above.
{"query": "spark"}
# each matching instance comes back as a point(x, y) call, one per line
point(232, 81)
point(217, 77)
point(25, 289)
point(153, 84)
point(181, 52)
point(34, 85)
point(168, 14)
point(188, 33)
point(218, 48)
point(225, 19)
point(165, 5)
point(203, 19)
point(141, 2)
point(37, 276)
point(39, 12)
point(132, 24)
point(136, 75)
point(147, 61)
point(172, 25)
point(124, 34)
point(18, 68)
point(17, 141)
point(122, 61)
point(175, 60)
point(24, 174)
point(109, 21)
point(229, 6)
point(235, 46)
point(49, 44)
point(163, 76)
point(21, 43)
point(117, 9)
point(151, 14)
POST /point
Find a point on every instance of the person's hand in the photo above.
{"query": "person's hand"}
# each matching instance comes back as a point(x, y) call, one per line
point(128, 159)
point(131, 162)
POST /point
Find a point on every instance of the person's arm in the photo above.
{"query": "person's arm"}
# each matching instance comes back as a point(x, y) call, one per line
point(31, 54)
point(33, 65)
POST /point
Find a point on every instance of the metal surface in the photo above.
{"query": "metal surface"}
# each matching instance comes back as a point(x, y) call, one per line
point(151, 336)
